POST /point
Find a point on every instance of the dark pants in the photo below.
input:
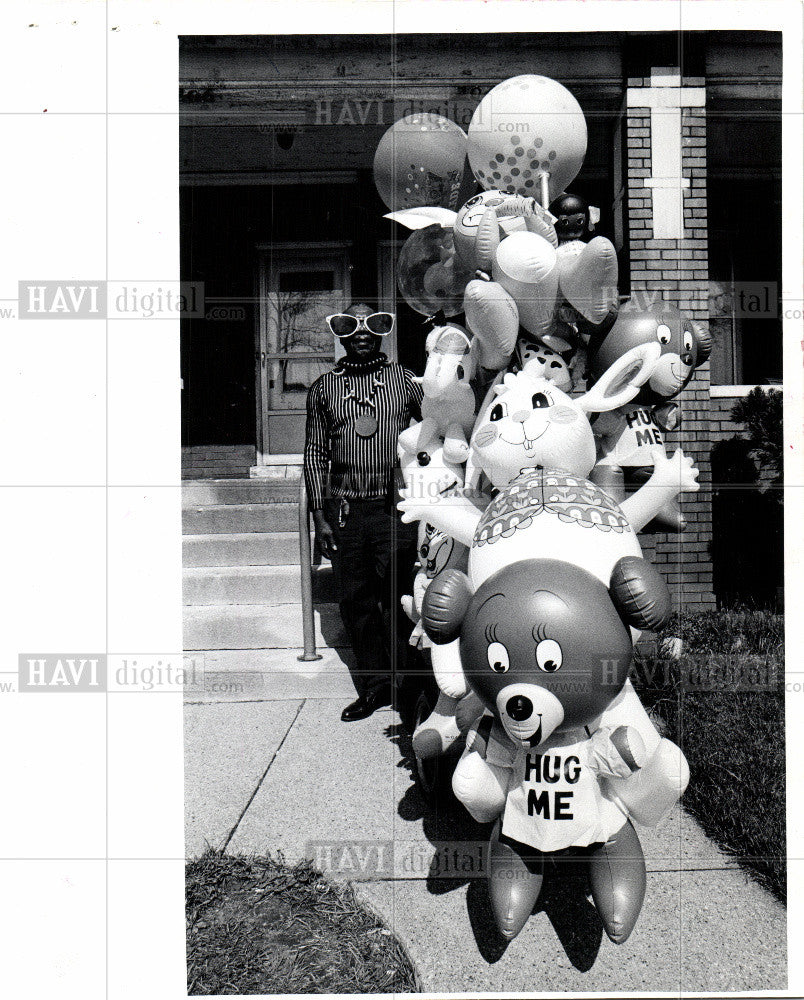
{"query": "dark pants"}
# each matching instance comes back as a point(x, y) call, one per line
point(373, 567)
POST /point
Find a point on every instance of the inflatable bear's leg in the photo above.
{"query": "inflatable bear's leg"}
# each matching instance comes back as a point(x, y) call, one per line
point(468, 711)
point(515, 881)
point(617, 875)
point(450, 719)
point(438, 731)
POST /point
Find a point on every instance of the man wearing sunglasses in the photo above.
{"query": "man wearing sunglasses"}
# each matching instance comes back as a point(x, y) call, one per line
point(355, 414)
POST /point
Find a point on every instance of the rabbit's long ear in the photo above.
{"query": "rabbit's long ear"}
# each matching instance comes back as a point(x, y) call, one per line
point(421, 218)
point(620, 383)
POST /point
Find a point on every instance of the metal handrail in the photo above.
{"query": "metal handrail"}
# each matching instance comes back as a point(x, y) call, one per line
point(306, 571)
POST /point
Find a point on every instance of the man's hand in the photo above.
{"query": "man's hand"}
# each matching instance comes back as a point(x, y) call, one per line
point(324, 534)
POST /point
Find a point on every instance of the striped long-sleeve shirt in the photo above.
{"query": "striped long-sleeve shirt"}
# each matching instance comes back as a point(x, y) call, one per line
point(338, 461)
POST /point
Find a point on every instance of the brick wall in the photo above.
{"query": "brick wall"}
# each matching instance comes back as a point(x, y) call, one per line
point(722, 426)
point(217, 461)
point(678, 268)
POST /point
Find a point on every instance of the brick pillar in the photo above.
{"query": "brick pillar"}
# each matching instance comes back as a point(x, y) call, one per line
point(666, 190)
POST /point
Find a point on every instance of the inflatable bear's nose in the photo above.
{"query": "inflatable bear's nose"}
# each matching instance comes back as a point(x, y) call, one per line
point(686, 358)
point(519, 708)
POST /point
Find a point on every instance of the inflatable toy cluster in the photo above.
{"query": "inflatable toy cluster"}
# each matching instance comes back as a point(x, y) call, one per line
point(530, 497)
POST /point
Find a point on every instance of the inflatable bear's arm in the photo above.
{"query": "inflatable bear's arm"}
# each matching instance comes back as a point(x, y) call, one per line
point(667, 416)
point(671, 476)
point(616, 753)
point(478, 784)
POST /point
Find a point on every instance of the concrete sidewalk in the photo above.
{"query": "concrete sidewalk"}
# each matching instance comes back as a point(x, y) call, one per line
point(285, 774)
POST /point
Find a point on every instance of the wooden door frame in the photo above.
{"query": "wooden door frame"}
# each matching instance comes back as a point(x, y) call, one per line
point(294, 253)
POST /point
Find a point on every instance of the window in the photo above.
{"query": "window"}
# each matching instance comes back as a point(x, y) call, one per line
point(745, 240)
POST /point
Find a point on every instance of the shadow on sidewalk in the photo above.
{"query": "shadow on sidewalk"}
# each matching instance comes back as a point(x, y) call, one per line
point(447, 826)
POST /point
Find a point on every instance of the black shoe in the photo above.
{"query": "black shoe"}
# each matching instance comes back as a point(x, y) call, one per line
point(366, 705)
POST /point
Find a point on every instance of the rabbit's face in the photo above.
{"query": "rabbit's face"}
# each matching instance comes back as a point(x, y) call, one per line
point(530, 422)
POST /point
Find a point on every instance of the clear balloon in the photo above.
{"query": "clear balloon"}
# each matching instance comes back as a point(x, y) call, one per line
point(525, 127)
point(420, 161)
point(429, 275)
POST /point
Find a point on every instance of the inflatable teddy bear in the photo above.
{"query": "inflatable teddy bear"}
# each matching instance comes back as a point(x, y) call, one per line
point(630, 436)
point(428, 474)
point(535, 446)
point(546, 647)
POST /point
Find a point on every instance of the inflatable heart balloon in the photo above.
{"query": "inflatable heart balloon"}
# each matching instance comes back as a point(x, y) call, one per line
point(428, 275)
point(420, 161)
point(525, 266)
point(492, 316)
point(525, 127)
point(588, 276)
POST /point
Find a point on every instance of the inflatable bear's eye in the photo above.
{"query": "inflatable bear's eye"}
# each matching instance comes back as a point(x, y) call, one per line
point(498, 657)
point(548, 655)
point(539, 401)
point(473, 201)
point(663, 334)
point(497, 411)
point(688, 342)
point(459, 372)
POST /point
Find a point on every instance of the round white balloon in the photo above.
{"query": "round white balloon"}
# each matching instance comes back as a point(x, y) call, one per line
point(524, 127)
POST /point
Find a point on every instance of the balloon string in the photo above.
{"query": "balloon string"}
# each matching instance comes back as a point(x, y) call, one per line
point(544, 180)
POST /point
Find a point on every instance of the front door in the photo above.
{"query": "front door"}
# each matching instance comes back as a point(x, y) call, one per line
point(299, 285)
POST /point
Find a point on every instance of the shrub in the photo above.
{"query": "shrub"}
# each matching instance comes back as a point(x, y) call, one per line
point(747, 545)
point(733, 737)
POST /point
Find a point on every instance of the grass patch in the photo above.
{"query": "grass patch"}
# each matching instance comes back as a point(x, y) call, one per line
point(733, 737)
point(257, 925)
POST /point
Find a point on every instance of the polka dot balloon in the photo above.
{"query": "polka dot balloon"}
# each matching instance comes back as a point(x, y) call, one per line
point(420, 161)
point(525, 127)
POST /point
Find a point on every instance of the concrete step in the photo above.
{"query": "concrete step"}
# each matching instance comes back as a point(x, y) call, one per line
point(257, 626)
point(267, 675)
point(254, 585)
point(240, 518)
point(207, 492)
point(276, 548)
